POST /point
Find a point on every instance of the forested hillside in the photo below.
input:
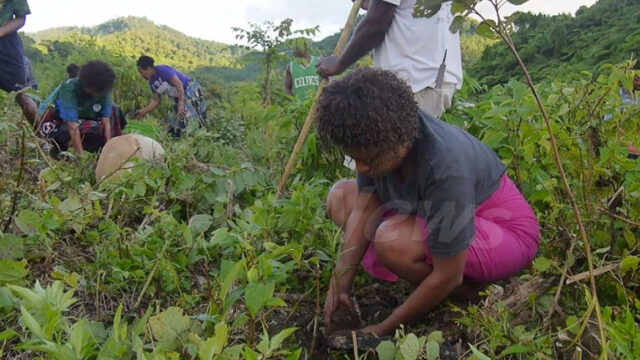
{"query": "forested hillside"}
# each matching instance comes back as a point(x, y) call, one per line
point(211, 62)
point(130, 37)
point(564, 45)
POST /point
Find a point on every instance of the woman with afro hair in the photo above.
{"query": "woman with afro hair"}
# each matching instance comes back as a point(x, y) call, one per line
point(83, 98)
point(431, 204)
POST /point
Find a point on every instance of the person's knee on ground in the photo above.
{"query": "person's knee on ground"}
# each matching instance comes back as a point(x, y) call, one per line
point(399, 246)
point(340, 201)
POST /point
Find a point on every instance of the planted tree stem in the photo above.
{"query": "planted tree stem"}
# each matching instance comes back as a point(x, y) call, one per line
point(503, 33)
point(344, 37)
point(14, 201)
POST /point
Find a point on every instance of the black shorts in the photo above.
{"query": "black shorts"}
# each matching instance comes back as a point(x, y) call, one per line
point(13, 76)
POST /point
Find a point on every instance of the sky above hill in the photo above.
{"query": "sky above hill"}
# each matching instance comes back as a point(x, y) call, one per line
point(213, 19)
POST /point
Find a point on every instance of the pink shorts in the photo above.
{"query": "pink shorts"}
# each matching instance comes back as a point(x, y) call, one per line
point(506, 238)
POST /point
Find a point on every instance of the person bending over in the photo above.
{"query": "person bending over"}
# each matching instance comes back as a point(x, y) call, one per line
point(87, 97)
point(186, 93)
point(430, 204)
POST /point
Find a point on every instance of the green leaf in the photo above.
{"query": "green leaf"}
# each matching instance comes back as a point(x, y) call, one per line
point(630, 238)
point(294, 355)
point(478, 354)
point(168, 326)
point(517, 2)
point(216, 171)
point(432, 350)
point(277, 340)
point(458, 7)
point(11, 247)
point(572, 323)
point(427, 8)
point(213, 346)
point(410, 347)
point(7, 335)
point(249, 354)
point(116, 321)
point(514, 349)
point(96, 196)
point(457, 24)
point(493, 139)
point(79, 337)
point(11, 271)
point(436, 336)
point(275, 302)
point(232, 353)
point(256, 294)
point(484, 29)
point(31, 323)
point(229, 278)
point(200, 223)
point(70, 205)
point(386, 350)
point(542, 264)
point(28, 222)
point(629, 264)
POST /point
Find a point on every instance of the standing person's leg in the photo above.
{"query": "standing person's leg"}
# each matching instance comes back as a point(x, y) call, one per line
point(194, 103)
point(13, 75)
point(29, 108)
point(435, 101)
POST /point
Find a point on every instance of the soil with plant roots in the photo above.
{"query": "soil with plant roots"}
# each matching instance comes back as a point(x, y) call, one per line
point(374, 303)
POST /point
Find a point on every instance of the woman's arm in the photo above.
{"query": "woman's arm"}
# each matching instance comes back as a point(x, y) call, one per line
point(106, 125)
point(76, 140)
point(358, 230)
point(370, 32)
point(175, 81)
point(150, 107)
point(12, 26)
point(446, 276)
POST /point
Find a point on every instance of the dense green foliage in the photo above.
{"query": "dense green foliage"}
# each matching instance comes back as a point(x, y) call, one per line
point(563, 45)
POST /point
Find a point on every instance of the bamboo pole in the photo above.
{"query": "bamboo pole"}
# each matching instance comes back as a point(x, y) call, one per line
point(342, 42)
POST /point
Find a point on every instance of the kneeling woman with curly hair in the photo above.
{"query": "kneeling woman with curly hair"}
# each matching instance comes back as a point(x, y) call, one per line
point(431, 204)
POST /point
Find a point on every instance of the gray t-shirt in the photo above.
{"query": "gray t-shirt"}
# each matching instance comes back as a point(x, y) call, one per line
point(448, 173)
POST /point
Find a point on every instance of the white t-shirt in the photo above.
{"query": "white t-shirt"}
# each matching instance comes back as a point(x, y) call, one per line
point(413, 48)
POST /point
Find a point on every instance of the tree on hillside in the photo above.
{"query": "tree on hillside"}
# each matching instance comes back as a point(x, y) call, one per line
point(269, 42)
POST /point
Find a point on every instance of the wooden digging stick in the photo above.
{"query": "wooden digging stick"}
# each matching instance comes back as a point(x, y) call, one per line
point(344, 37)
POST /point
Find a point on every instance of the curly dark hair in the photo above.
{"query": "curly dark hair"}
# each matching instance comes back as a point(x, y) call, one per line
point(369, 110)
point(97, 76)
point(72, 70)
point(145, 62)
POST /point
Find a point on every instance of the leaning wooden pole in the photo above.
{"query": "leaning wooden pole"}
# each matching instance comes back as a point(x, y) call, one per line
point(342, 42)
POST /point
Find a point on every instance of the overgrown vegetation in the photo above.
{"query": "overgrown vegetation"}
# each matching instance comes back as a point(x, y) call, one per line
point(562, 46)
point(193, 258)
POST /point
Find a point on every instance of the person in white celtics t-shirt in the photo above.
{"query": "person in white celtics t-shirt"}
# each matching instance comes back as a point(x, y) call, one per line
point(412, 48)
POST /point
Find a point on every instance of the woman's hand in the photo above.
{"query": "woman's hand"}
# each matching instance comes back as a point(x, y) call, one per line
point(139, 114)
point(379, 329)
point(181, 110)
point(335, 299)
